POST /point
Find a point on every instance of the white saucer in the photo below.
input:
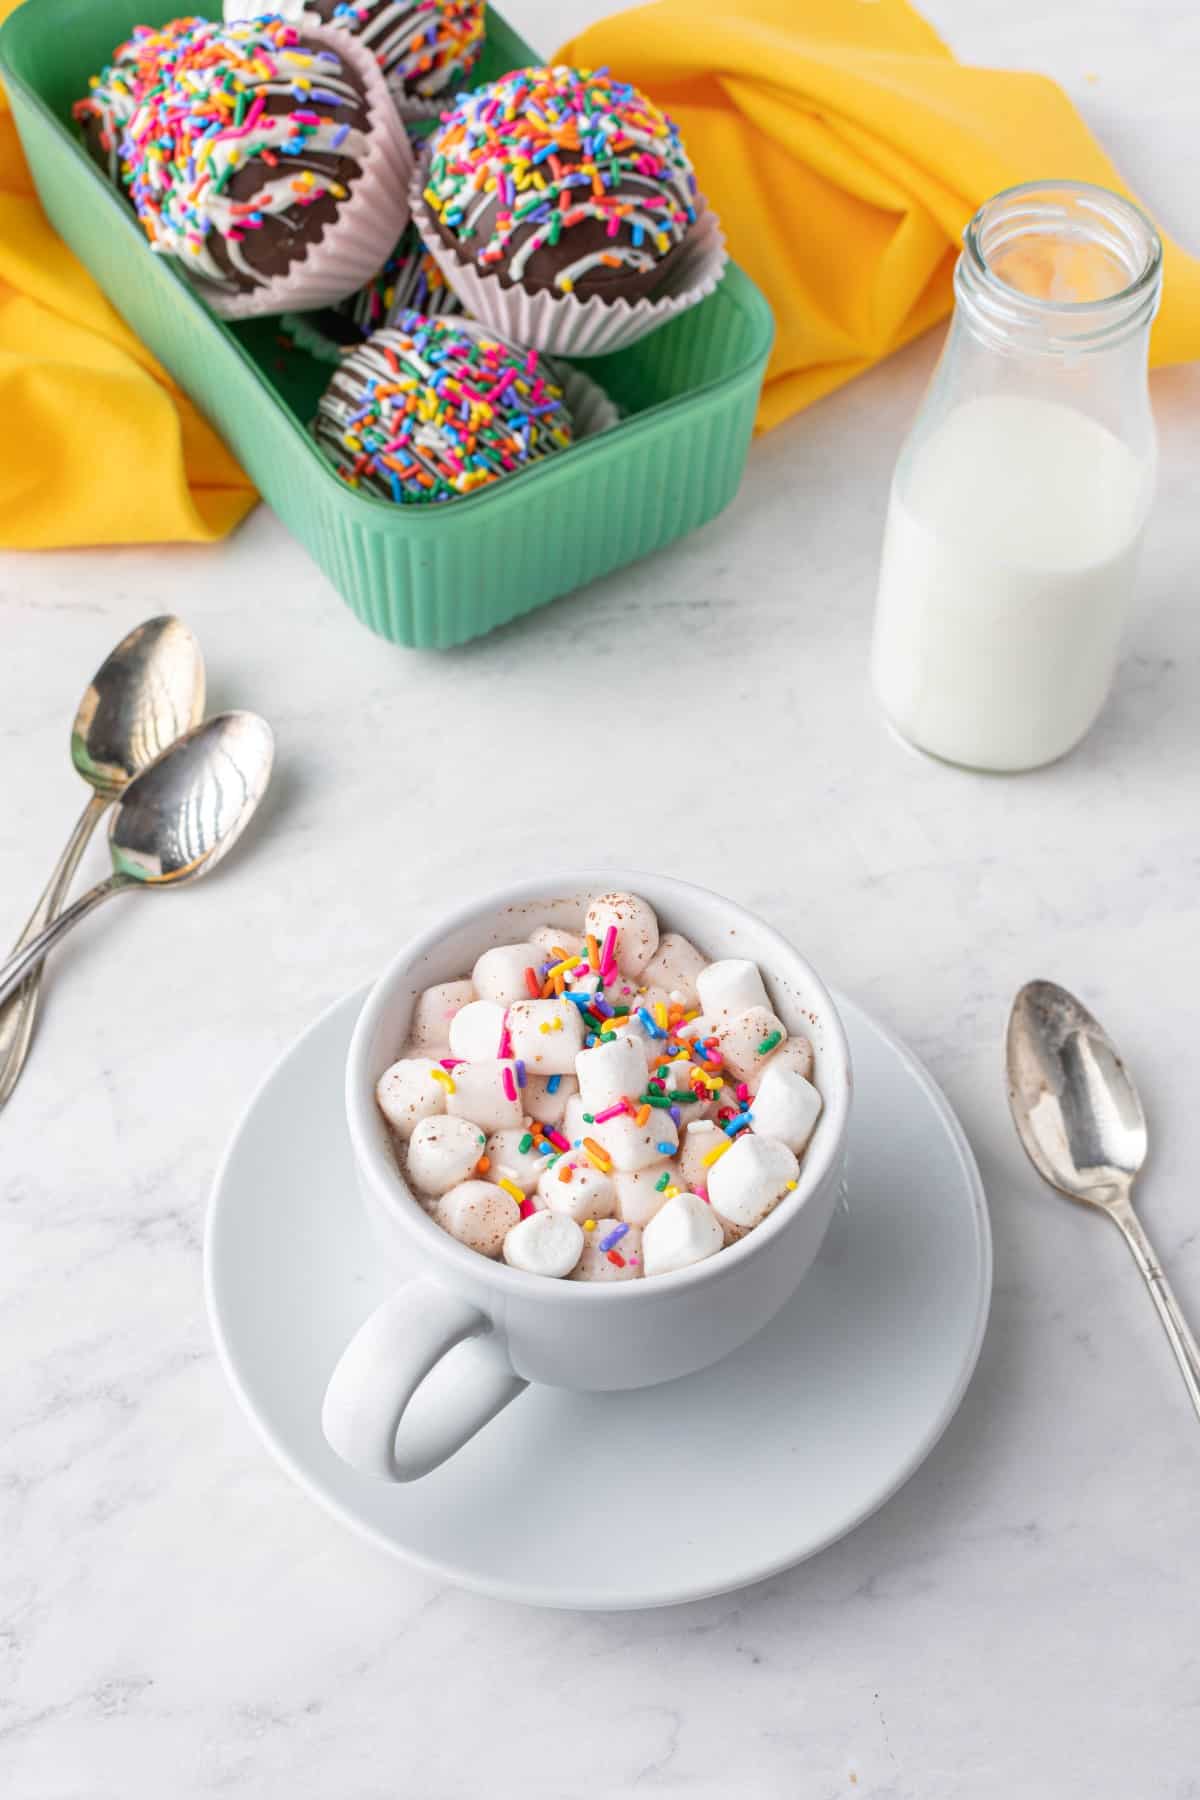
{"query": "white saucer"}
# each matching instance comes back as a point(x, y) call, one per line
point(634, 1499)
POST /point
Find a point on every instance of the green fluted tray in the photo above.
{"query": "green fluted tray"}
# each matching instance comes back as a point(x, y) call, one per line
point(424, 576)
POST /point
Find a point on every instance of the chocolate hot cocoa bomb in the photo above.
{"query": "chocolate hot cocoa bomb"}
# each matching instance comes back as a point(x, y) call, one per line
point(564, 180)
point(242, 147)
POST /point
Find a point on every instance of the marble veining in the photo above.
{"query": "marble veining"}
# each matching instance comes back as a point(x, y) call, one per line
point(176, 1618)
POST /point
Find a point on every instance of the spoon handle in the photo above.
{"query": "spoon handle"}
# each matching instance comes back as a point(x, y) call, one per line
point(17, 1014)
point(14, 971)
point(1187, 1351)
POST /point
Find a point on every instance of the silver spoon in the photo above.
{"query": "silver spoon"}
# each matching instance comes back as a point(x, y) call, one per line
point(178, 818)
point(146, 693)
point(1080, 1119)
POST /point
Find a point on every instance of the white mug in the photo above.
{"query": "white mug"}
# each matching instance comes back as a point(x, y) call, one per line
point(460, 1340)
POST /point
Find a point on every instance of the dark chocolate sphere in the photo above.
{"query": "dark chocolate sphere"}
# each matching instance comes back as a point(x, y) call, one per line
point(563, 180)
point(243, 145)
point(430, 409)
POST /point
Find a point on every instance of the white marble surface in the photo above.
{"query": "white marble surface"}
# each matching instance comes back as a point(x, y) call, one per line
point(178, 1619)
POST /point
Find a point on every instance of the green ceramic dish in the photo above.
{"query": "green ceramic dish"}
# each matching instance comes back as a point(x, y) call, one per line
point(428, 577)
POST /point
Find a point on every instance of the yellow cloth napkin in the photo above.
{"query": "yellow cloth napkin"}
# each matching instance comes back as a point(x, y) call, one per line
point(845, 150)
point(98, 444)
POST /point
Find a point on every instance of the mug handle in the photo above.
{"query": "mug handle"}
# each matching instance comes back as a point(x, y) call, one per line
point(386, 1364)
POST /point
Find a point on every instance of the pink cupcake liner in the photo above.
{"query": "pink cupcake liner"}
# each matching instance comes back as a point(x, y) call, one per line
point(562, 324)
point(369, 221)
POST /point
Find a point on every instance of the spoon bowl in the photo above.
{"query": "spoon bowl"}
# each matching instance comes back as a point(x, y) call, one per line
point(145, 695)
point(1076, 1109)
point(184, 813)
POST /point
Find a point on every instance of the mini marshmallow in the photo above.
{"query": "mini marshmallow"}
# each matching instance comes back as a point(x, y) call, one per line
point(637, 928)
point(409, 1092)
point(731, 986)
point(547, 1035)
point(573, 1124)
point(612, 1251)
point(749, 1038)
point(681, 1233)
point(546, 1243)
point(524, 1168)
point(482, 1094)
point(699, 1137)
point(575, 1187)
point(499, 974)
point(441, 1153)
point(548, 940)
point(650, 1038)
point(429, 1032)
point(751, 1179)
point(546, 1107)
point(609, 1072)
point(476, 1032)
point(674, 968)
point(786, 1107)
point(634, 1146)
point(639, 1195)
point(794, 1053)
point(479, 1214)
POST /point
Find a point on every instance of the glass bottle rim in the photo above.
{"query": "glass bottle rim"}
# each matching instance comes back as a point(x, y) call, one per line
point(1121, 227)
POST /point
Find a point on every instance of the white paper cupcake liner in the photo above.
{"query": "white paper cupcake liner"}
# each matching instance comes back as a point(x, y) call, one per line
point(563, 324)
point(415, 111)
point(369, 221)
point(592, 410)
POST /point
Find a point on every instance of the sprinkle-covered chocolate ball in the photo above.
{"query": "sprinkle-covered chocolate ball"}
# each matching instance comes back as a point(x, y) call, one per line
point(425, 48)
point(434, 408)
point(244, 144)
point(563, 180)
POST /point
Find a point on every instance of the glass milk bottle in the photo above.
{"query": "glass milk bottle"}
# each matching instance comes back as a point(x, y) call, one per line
point(1019, 500)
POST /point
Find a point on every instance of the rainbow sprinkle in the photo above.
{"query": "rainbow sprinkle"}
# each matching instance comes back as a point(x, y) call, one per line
point(527, 160)
point(433, 408)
